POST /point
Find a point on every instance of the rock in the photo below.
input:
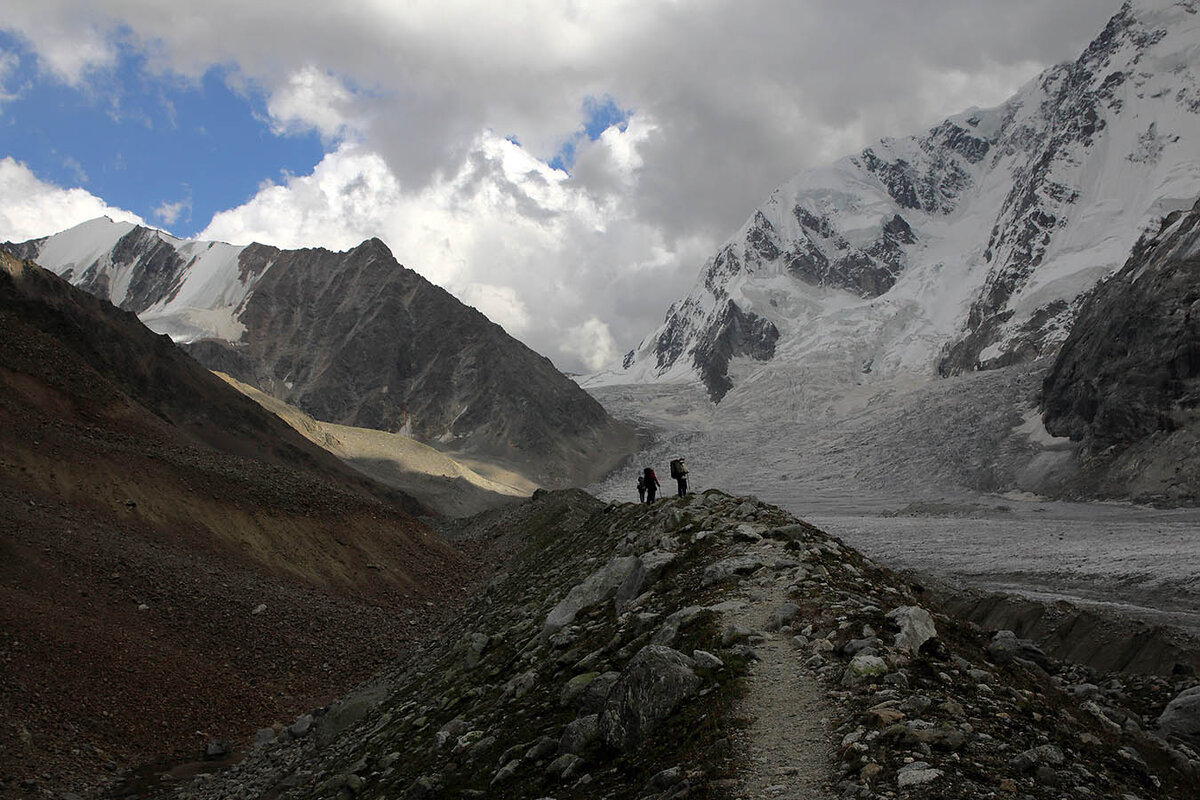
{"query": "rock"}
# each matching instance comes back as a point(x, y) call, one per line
point(862, 668)
point(671, 626)
point(915, 704)
point(916, 627)
point(593, 697)
point(300, 728)
point(855, 646)
point(506, 772)
point(598, 587)
point(476, 644)
point(519, 685)
point(883, 717)
point(734, 633)
point(579, 733)
point(264, 736)
point(1181, 717)
point(729, 567)
point(576, 687)
point(564, 767)
point(1044, 755)
point(918, 773)
point(216, 748)
point(788, 533)
point(706, 660)
point(664, 779)
point(647, 569)
point(653, 684)
point(259, 609)
point(541, 748)
point(1005, 646)
point(782, 615)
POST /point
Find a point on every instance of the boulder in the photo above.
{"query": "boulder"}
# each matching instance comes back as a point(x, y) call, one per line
point(862, 668)
point(729, 567)
point(646, 571)
point(916, 627)
point(579, 733)
point(782, 615)
point(670, 627)
point(1005, 646)
point(598, 587)
point(1181, 717)
point(653, 684)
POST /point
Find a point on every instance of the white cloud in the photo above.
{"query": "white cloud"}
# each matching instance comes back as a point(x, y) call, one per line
point(521, 242)
point(591, 343)
point(731, 99)
point(170, 213)
point(500, 304)
point(312, 99)
point(30, 208)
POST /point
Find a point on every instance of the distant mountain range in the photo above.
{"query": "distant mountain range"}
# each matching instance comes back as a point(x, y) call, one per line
point(351, 338)
point(967, 247)
point(974, 246)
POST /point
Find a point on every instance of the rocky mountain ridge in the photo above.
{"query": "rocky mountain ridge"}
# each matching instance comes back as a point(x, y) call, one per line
point(621, 650)
point(1127, 382)
point(967, 247)
point(351, 338)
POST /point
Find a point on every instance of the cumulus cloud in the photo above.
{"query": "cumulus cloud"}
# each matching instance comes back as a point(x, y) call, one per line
point(416, 101)
point(31, 208)
point(507, 234)
point(312, 99)
point(170, 213)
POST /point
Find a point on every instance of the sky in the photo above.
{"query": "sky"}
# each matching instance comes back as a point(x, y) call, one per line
point(565, 166)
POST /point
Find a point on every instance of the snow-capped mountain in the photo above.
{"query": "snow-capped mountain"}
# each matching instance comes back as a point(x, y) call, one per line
point(964, 248)
point(351, 338)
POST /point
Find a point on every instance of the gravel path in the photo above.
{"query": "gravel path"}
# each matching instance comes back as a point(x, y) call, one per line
point(787, 744)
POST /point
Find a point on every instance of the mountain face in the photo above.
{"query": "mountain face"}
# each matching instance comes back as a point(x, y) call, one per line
point(151, 517)
point(1127, 380)
point(968, 247)
point(352, 338)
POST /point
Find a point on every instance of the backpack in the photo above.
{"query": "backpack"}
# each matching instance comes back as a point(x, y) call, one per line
point(678, 468)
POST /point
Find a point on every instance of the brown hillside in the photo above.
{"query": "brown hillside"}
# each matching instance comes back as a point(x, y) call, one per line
point(148, 513)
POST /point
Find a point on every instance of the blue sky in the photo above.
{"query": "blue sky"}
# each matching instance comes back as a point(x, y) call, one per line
point(142, 140)
point(175, 151)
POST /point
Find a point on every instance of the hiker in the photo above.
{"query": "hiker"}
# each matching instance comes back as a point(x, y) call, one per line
point(679, 472)
point(651, 482)
point(641, 489)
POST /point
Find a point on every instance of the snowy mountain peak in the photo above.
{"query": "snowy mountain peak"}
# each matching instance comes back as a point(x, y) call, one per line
point(966, 247)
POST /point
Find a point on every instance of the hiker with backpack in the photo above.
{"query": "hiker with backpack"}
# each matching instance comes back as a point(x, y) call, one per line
point(651, 481)
point(679, 472)
point(641, 489)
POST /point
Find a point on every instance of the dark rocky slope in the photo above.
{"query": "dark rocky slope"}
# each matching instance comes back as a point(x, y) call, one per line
point(173, 559)
point(352, 338)
point(601, 663)
point(1127, 381)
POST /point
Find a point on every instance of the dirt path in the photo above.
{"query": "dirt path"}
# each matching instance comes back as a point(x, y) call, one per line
point(788, 744)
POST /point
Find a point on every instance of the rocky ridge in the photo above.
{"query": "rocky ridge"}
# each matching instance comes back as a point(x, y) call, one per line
point(1127, 381)
point(614, 655)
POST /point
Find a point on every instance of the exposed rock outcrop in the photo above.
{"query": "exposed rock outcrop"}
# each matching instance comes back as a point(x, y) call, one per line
point(1127, 381)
